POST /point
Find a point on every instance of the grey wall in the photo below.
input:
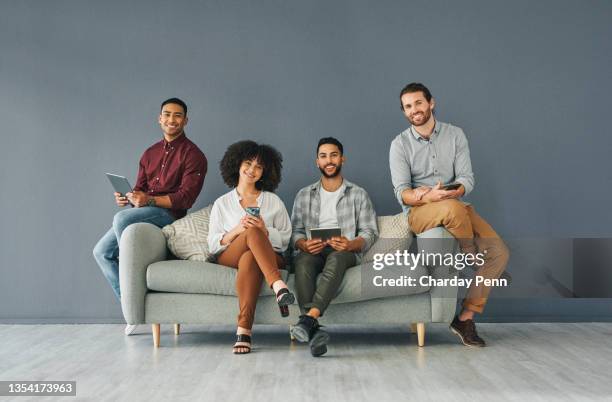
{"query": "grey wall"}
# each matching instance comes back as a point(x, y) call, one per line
point(81, 83)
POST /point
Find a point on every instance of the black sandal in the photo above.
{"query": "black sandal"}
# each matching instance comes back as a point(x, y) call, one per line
point(284, 298)
point(242, 338)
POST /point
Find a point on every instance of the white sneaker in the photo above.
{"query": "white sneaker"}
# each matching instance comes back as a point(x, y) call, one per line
point(130, 329)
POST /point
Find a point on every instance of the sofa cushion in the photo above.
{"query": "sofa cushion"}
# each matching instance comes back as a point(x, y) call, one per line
point(187, 240)
point(187, 237)
point(179, 276)
point(393, 234)
point(357, 284)
point(182, 276)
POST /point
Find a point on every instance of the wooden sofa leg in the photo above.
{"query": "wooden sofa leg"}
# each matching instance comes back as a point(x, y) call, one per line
point(155, 329)
point(420, 333)
point(413, 328)
point(177, 329)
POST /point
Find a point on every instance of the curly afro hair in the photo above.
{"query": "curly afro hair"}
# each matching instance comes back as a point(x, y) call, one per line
point(267, 156)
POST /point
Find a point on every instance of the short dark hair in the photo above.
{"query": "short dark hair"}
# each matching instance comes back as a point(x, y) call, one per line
point(247, 150)
point(175, 101)
point(330, 140)
point(415, 87)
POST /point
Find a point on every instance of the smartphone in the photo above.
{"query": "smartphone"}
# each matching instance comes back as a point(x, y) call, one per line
point(452, 186)
point(253, 211)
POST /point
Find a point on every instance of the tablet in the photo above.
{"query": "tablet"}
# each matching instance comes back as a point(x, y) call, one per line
point(324, 233)
point(120, 184)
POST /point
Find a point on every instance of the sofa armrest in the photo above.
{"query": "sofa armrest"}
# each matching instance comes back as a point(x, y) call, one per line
point(141, 245)
point(437, 240)
point(444, 298)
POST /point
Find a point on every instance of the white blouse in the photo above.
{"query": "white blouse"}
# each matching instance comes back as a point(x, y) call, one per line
point(227, 212)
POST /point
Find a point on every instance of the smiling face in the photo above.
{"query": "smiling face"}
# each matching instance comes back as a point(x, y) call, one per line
point(416, 108)
point(172, 120)
point(250, 171)
point(329, 160)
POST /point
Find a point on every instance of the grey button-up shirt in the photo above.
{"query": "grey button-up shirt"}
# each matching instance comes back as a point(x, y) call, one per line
point(355, 212)
point(444, 157)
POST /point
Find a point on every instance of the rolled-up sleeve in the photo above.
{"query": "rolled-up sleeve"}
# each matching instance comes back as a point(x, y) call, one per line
point(297, 218)
point(192, 180)
point(463, 164)
point(215, 230)
point(279, 232)
point(367, 228)
point(401, 175)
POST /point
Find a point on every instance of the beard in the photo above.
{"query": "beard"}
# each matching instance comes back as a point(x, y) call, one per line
point(336, 172)
point(426, 118)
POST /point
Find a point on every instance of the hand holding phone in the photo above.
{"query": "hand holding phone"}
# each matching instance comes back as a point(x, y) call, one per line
point(451, 187)
point(253, 218)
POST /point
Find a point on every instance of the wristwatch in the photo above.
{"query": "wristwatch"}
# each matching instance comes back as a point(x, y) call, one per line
point(151, 202)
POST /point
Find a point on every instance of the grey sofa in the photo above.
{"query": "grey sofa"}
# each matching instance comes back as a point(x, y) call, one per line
point(158, 290)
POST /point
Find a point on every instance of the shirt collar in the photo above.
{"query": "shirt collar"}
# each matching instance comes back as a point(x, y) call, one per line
point(180, 139)
point(238, 197)
point(345, 184)
point(417, 136)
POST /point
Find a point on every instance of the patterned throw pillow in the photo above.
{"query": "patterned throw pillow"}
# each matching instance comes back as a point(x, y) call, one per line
point(393, 234)
point(188, 237)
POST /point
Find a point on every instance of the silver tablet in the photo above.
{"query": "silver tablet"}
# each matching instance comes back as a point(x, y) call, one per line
point(120, 184)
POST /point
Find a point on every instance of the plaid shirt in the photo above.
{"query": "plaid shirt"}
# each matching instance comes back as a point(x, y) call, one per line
point(355, 213)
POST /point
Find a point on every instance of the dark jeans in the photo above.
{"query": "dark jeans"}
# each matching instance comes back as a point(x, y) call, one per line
point(331, 265)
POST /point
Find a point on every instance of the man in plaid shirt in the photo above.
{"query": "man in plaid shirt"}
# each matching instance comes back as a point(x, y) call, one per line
point(331, 202)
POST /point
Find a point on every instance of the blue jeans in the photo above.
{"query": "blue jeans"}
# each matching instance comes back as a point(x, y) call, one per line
point(106, 251)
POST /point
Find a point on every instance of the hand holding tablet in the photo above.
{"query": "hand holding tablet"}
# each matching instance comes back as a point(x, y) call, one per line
point(122, 187)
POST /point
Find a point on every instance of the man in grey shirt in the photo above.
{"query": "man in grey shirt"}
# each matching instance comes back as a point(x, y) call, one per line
point(424, 159)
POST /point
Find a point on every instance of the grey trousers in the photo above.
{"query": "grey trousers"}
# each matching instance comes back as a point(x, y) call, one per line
point(331, 265)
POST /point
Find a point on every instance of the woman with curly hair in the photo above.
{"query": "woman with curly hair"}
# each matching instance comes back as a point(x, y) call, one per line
point(250, 228)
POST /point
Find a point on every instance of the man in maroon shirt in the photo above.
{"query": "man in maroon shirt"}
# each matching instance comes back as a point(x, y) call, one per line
point(170, 177)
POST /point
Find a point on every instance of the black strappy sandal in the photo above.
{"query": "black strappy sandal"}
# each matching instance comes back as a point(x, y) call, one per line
point(242, 338)
point(284, 298)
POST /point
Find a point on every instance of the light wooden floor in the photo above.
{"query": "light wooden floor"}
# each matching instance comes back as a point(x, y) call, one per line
point(523, 362)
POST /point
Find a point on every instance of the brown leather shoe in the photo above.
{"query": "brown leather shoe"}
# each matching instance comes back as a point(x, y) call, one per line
point(466, 331)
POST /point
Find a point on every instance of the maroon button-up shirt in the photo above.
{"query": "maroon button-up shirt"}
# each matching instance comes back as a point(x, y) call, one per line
point(176, 169)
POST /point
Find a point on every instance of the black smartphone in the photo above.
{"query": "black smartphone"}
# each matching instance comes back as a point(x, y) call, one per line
point(452, 186)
